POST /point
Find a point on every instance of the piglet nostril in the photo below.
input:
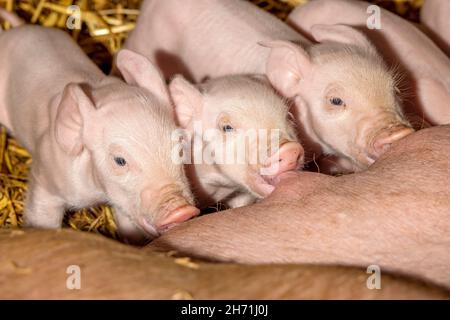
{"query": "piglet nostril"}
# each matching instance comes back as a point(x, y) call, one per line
point(149, 228)
point(288, 157)
point(290, 154)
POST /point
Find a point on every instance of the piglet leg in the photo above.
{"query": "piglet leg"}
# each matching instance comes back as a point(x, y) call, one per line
point(43, 209)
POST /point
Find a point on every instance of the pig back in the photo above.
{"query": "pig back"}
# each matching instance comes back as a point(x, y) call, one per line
point(36, 64)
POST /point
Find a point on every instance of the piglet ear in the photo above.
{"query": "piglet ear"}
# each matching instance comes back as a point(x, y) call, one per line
point(340, 33)
point(137, 70)
point(186, 98)
point(287, 64)
point(73, 109)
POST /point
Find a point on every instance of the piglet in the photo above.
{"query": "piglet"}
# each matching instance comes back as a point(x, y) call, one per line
point(265, 138)
point(345, 97)
point(235, 106)
point(93, 138)
point(425, 66)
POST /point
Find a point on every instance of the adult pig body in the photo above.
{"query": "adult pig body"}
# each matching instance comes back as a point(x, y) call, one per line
point(25, 273)
point(50, 95)
point(426, 67)
point(218, 37)
point(225, 105)
point(395, 215)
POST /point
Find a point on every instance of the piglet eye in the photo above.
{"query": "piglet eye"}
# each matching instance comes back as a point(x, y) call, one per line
point(227, 128)
point(337, 101)
point(120, 161)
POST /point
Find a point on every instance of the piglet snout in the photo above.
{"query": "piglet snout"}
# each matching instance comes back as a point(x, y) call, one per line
point(289, 157)
point(384, 140)
point(177, 216)
point(165, 207)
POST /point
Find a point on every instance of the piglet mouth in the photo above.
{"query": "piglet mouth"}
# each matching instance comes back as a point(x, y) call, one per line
point(149, 228)
point(170, 220)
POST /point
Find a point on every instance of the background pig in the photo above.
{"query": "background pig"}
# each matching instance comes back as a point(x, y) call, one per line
point(395, 215)
point(344, 95)
point(425, 66)
point(434, 15)
point(93, 138)
point(227, 105)
point(25, 273)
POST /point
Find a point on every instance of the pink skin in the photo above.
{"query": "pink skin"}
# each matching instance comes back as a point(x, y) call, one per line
point(285, 159)
point(225, 102)
point(395, 215)
point(425, 67)
point(76, 123)
point(195, 43)
point(434, 15)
